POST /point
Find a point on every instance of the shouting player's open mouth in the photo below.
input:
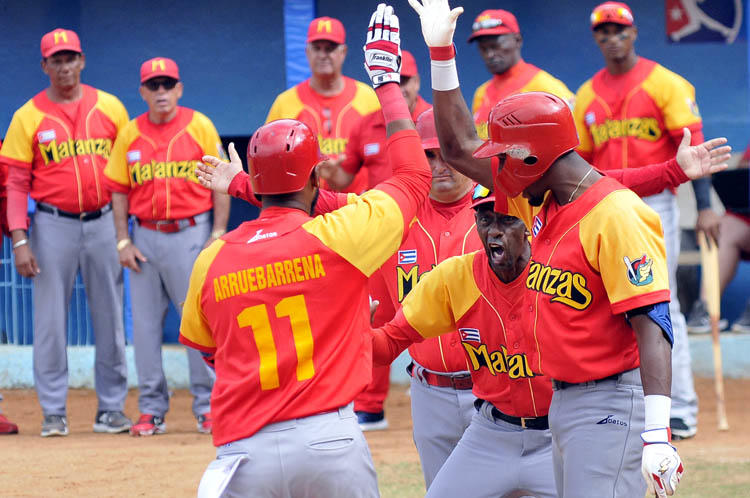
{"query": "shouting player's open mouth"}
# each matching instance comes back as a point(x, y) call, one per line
point(497, 253)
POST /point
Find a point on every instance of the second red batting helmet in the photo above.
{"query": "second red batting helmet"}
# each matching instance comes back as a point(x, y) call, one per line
point(532, 130)
point(281, 155)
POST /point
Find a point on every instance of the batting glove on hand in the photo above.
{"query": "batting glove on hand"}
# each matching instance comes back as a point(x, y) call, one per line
point(661, 465)
point(438, 21)
point(383, 47)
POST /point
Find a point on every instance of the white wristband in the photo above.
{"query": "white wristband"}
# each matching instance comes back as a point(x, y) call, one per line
point(444, 75)
point(657, 411)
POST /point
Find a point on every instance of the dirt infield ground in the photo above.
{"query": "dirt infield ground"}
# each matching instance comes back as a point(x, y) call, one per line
point(85, 464)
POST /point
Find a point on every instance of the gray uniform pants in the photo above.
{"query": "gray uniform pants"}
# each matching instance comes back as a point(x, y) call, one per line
point(684, 399)
point(596, 438)
point(62, 246)
point(165, 277)
point(440, 416)
point(322, 455)
point(495, 457)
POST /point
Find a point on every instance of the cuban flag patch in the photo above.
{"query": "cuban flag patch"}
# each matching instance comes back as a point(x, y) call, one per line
point(537, 226)
point(46, 136)
point(372, 149)
point(407, 257)
point(590, 118)
point(134, 156)
point(469, 334)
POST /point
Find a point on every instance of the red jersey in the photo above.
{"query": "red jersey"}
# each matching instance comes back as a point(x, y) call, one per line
point(592, 260)
point(520, 78)
point(463, 294)
point(154, 164)
point(260, 300)
point(60, 150)
point(366, 146)
point(333, 119)
point(633, 119)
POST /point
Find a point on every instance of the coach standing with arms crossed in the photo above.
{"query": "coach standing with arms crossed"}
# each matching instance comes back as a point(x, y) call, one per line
point(152, 175)
point(56, 148)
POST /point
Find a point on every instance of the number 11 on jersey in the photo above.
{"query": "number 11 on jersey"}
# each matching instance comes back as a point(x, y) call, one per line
point(256, 317)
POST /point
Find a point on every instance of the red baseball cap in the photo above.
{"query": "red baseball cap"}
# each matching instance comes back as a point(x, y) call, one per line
point(614, 12)
point(326, 28)
point(408, 64)
point(494, 22)
point(481, 195)
point(426, 129)
point(159, 66)
point(60, 39)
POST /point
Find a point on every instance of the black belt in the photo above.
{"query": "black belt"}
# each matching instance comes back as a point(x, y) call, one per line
point(561, 384)
point(536, 423)
point(84, 216)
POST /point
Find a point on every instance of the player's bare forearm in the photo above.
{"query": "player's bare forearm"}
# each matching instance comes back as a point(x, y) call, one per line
point(655, 354)
point(120, 214)
point(221, 211)
point(458, 136)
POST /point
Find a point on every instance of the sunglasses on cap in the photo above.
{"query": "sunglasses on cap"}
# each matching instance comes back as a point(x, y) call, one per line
point(154, 83)
point(486, 24)
point(480, 192)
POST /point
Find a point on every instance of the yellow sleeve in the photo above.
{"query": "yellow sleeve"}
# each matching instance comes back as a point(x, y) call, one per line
point(19, 141)
point(476, 102)
point(622, 239)
point(204, 133)
point(365, 99)
point(112, 107)
point(674, 95)
point(365, 232)
point(194, 326)
point(545, 82)
point(117, 164)
point(583, 99)
point(286, 106)
point(442, 297)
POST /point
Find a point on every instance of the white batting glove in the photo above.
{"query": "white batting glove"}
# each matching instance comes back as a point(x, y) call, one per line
point(383, 47)
point(661, 465)
point(438, 21)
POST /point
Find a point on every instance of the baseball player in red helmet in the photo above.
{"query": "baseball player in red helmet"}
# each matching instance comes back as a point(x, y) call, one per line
point(289, 360)
point(603, 331)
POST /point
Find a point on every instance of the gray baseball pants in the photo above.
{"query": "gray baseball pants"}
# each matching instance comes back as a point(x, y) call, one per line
point(494, 458)
point(440, 415)
point(596, 438)
point(322, 455)
point(684, 399)
point(163, 278)
point(61, 247)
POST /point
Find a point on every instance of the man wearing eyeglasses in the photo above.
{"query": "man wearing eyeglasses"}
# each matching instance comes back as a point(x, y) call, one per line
point(330, 103)
point(55, 150)
point(151, 174)
point(499, 42)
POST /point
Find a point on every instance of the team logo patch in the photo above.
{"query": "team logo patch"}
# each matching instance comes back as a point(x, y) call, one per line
point(407, 257)
point(610, 419)
point(134, 156)
point(372, 149)
point(640, 270)
point(46, 136)
point(537, 226)
point(590, 118)
point(262, 236)
point(693, 105)
point(469, 334)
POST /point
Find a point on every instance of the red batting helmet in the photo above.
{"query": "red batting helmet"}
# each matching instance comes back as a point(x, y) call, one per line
point(532, 130)
point(281, 155)
point(427, 131)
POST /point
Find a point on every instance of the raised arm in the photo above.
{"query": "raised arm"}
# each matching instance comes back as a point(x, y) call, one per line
point(455, 127)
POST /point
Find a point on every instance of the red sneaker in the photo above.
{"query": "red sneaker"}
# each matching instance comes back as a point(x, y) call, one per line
point(148, 425)
point(205, 423)
point(8, 427)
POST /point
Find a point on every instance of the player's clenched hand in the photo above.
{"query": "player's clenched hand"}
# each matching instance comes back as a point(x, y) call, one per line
point(661, 465)
point(216, 174)
point(703, 159)
point(438, 21)
point(26, 264)
point(129, 257)
point(328, 168)
point(383, 47)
